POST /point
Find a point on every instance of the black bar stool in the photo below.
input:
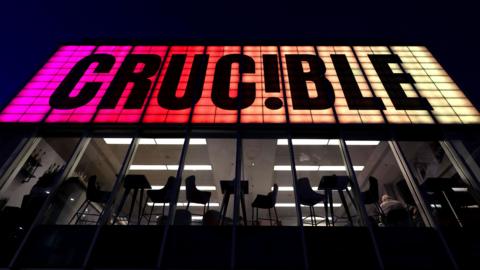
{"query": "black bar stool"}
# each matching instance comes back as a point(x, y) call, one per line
point(162, 196)
point(307, 196)
point(196, 196)
point(135, 182)
point(340, 184)
point(266, 202)
point(94, 195)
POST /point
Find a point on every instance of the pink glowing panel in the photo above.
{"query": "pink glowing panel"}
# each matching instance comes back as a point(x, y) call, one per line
point(120, 114)
point(85, 113)
point(32, 103)
point(156, 114)
point(258, 112)
point(205, 111)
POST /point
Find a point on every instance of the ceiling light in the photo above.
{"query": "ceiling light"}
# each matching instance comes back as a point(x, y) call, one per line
point(330, 168)
point(158, 141)
point(184, 204)
point(324, 142)
point(339, 168)
point(198, 167)
point(161, 167)
point(208, 188)
point(284, 188)
point(148, 167)
point(180, 141)
point(118, 140)
point(146, 141)
point(289, 205)
point(362, 142)
point(303, 142)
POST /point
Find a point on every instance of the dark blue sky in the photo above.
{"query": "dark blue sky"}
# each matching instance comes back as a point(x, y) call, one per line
point(31, 30)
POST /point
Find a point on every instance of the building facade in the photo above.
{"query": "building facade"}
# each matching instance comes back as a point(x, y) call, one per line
point(240, 157)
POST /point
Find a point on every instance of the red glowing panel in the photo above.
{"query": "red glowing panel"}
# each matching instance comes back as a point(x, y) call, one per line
point(85, 113)
point(119, 114)
point(266, 93)
point(205, 110)
point(32, 103)
point(157, 114)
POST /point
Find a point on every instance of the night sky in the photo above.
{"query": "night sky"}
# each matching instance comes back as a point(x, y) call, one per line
point(32, 30)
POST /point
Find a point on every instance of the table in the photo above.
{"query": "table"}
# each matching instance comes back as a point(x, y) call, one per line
point(227, 188)
point(339, 183)
point(133, 182)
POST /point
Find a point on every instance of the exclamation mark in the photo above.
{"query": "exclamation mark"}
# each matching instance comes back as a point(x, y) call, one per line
point(272, 81)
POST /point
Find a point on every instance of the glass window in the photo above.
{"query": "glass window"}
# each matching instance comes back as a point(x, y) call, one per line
point(204, 209)
point(66, 232)
point(141, 206)
point(271, 199)
point(448, 196)
point(323, 186)
point(270, 202)
point(24, 193)
point(385, 193)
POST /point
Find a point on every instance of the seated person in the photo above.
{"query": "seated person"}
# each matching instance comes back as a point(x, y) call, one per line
point(388, 203)
point(395, 212)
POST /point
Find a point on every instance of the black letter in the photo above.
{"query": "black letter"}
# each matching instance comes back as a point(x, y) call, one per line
point(391, 81)
point(193, 91)
point(221, 83)
point(352, 92)
point(298, 82)
point(61, 99)
point(140, 80)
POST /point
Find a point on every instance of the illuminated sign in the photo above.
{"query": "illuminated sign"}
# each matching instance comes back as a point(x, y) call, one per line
point(213, 84)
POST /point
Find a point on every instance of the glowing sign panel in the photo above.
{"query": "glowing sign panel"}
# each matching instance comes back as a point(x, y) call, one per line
point(250, 84)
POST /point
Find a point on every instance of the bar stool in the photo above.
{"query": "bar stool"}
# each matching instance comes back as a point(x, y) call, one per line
point(94, 195)
point(266, 202)
point(307, 196)
point(196, 196)
point(340, 184)
point(135, 182)
point(162, 196)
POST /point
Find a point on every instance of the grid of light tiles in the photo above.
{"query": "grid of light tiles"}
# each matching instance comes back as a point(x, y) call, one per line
point(450, 105)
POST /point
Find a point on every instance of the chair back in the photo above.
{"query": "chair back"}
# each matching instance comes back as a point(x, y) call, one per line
point(92, 189)
point(303, 189)
point(170, 185)
point(373, 189)
point(190, 187)
point(273, 194)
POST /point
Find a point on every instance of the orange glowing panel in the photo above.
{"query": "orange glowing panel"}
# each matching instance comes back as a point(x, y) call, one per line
point(344, 113)
point(392, 114)
point(302, 115)
point(450, 105)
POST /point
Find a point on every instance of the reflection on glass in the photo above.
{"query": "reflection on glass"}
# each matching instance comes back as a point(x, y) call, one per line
point(385, 193)
point(448, 196)
point(323, 186)
point(270, 197)
point(206, 193)
point(24, 194)
point(149, 183)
